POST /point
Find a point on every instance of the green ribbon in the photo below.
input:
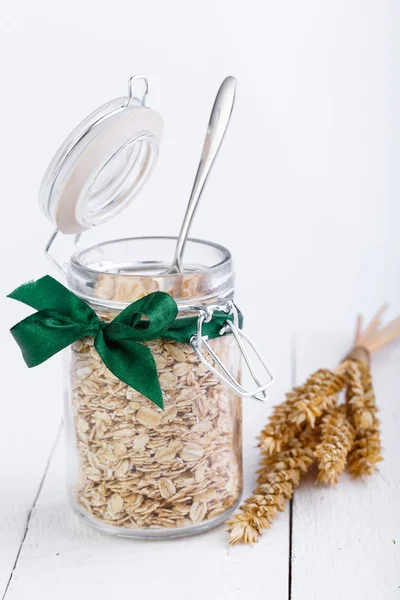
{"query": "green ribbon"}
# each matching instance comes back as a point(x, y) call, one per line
point(64, 318)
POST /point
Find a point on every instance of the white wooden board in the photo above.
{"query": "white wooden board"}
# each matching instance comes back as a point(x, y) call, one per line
point(30, 415)
point(346, 540)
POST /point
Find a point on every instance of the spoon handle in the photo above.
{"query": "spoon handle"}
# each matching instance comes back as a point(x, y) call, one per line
point(217, 125)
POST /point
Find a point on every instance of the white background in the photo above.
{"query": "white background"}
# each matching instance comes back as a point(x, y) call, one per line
point(304, 193)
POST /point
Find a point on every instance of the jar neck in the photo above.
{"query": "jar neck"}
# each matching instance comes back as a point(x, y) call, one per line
point(112, 275)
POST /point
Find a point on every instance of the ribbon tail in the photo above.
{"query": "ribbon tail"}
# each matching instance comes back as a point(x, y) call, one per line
point(41, 335)
point(133, 363)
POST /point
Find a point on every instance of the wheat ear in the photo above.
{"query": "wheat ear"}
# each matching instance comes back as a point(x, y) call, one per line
point(302, 407)
point(278, 476)
point(337, 438)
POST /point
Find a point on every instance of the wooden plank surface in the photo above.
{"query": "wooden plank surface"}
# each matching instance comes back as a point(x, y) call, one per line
point(30, 415)
point(345, 539)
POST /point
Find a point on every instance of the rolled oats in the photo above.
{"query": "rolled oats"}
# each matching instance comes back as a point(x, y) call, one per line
point(197, 511)
point(166, 487)
point(148, 417)
point(141, 467)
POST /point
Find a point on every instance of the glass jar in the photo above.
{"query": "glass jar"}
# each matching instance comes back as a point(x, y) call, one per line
point(134, 469)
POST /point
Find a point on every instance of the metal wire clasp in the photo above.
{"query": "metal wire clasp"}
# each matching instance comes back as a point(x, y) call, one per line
point(199, 342)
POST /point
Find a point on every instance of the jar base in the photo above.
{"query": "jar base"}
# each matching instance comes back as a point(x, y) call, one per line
point(156, 533)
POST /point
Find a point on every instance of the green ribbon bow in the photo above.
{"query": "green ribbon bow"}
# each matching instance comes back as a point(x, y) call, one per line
point(63, 318)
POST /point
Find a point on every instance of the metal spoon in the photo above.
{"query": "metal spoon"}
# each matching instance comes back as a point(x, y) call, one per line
point(217, 125)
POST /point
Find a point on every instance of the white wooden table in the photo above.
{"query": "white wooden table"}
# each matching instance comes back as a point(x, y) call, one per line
point(330, 543)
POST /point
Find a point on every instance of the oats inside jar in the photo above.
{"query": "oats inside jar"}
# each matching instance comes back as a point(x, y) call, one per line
point(141, 467)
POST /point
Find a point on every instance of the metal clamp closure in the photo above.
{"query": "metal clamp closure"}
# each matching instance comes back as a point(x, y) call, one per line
point(200, 342)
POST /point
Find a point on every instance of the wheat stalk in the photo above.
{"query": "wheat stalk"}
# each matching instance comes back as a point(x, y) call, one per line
point(360, 396)
point(309, 424)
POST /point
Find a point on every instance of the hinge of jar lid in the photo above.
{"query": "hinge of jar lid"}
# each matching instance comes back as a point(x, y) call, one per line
point(199, 342)
point(62, 268)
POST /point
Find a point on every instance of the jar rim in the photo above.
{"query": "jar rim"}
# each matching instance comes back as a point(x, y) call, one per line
point(101, 275)
point(226, 255)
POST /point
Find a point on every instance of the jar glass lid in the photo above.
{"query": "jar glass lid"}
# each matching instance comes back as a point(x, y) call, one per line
point(103, 163)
